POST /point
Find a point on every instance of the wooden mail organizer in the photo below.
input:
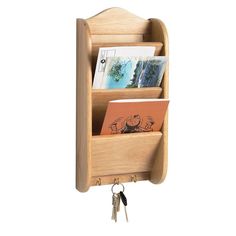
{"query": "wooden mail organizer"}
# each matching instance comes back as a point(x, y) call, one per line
point(108, 159)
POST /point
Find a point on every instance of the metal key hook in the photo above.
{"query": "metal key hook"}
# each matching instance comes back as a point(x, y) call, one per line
point(112, 188)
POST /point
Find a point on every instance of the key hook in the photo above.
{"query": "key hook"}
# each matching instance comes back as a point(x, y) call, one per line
point(112, 188)
point(116, 181)
point(134, 178)
point(98, 181)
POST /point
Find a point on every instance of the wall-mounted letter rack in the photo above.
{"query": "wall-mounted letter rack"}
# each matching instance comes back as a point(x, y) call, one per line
point(108, 159)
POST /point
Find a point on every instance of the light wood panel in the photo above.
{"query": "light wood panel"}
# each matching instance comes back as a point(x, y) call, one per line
point(83, 106)
point(117, 38)
point(117, 21)
point(96, 46)
point(159, 170)
point(123, 153)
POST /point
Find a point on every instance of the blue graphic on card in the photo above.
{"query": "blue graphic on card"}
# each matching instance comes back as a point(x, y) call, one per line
point(134, 72)
point(118, 72)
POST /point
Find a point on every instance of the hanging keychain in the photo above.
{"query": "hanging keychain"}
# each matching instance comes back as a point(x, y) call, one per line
point(116, 197)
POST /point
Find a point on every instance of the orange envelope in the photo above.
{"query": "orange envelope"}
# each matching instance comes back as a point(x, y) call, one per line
point(134, 115)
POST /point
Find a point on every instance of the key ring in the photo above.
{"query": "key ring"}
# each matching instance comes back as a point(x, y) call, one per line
point(112, 188)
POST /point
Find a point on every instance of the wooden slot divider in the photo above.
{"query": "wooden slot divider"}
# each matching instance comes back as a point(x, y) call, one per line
point(101, 97)
point(124, 153)
point(96, 46)
point(118, 38)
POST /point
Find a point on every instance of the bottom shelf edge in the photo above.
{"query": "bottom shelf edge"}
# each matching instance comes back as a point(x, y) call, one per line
point(119, 178)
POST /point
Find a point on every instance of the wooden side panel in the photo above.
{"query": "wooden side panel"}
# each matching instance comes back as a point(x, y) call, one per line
point(117, 21)
point(83, 106)
point(159, 34)
point(158, 173)
point(124, 153)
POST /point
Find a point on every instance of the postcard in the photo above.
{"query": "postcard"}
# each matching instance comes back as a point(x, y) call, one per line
point(128, 51)
point(134, 115)
point(133, 72)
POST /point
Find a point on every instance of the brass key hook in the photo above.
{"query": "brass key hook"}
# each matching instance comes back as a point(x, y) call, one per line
point(98, 181)
point(134, 178)
point(116, 180)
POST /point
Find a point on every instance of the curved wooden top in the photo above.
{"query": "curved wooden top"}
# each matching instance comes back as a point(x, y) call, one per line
point(117, 21)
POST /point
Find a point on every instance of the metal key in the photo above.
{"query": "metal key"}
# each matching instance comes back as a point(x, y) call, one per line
point(124, 200)
point(115, 204)
point(113, 217)
point(118, 202)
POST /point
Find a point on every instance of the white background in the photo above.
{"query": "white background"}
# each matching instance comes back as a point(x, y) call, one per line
point(37, 124)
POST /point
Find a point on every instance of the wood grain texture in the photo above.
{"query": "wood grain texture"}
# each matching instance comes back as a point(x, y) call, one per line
point(83, 106)
point(159, 170)
point(159, 34)
point(117, 38)
point(124, 153)
point(118, 21)
point(101, 97)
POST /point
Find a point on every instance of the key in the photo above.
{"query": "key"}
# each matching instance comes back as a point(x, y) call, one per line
point(115, 204)
point(124, 200)
point(118, 202)
point(113, 217)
